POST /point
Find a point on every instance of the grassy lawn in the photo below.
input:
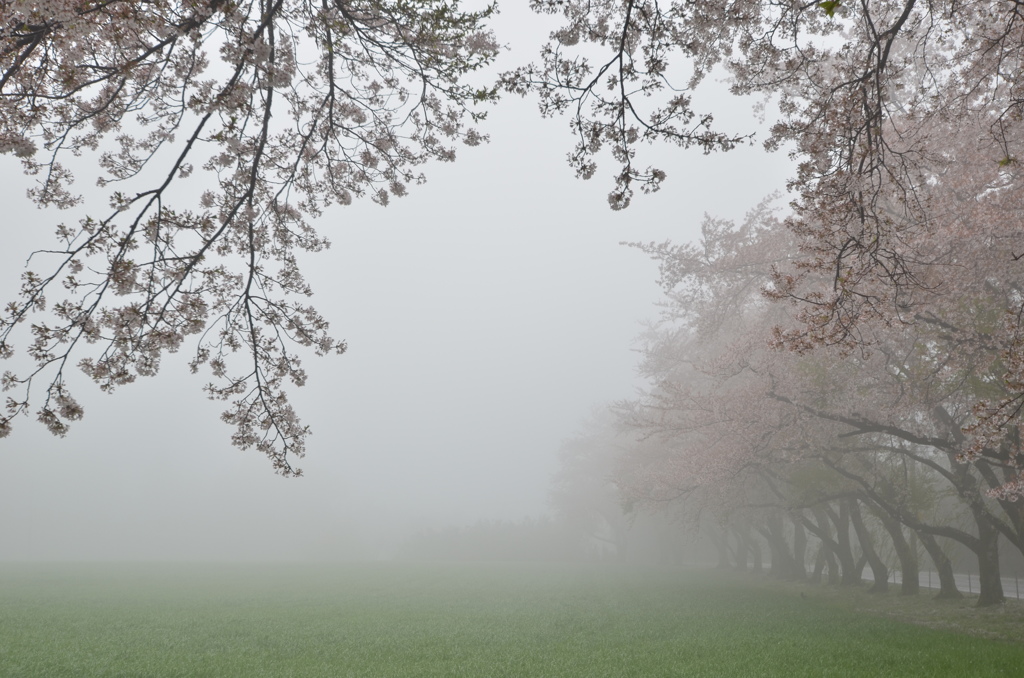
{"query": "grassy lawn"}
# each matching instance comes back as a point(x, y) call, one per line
point(1001, 622)
point(418, 621)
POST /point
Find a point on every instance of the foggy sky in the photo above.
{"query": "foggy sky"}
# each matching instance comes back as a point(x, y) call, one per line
point(486, 314)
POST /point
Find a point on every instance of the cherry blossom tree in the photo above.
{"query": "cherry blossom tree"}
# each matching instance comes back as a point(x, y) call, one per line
point(904, 117)
point(221, 130)
point(821, 434)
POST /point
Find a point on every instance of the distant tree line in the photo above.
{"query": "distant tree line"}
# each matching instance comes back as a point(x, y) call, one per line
point(831, 459)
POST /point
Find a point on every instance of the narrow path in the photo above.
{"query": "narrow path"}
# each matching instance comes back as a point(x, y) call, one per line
point(1013, 587)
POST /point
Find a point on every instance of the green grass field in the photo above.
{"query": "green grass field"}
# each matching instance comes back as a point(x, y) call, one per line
point(418, 621)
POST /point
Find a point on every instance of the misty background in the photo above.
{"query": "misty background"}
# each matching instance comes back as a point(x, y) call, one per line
point(486, 315)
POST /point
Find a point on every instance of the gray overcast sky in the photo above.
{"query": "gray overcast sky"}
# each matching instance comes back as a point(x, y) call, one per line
point(486, 314)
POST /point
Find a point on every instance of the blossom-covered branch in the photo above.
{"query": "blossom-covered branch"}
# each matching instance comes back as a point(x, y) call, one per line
point(606, 66)
point(283, 107)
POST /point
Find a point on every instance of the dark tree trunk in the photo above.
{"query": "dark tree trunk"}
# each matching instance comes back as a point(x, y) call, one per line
point(990, 581)
point(879, 571)
point(986, 546)
point(820, 529)
point(721, 546)
point(773, 553)
point(844, 549)
point(1014, 510)
point(782, 557)
point(910, 572)
point(799, 546)
point(755, 549)
point(944, 568)
point(819, 565)
point(833, 568)
point(858, 568)
point(741, 554)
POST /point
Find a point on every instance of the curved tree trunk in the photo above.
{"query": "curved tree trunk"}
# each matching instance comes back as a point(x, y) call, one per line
point(778, 568)
point(910, 572)
point(879, 571)
point(721, 546)
point(833, 568)
point(990, 581)
point(739, 551)
point(755, 550)
point(773, 552)
point(844, 548)
point(1013, 510)
point(944, 568)
point(799, 545)
point(819, 565)
point(782, 557)
point(858, 568)
point(986, 546)
point(820, 528)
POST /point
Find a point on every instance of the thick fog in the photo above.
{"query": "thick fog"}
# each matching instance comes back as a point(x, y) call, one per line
point(486, 314)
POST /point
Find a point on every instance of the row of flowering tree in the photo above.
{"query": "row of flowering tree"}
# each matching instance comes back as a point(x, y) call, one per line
point(858, 349)
point(856, 449)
